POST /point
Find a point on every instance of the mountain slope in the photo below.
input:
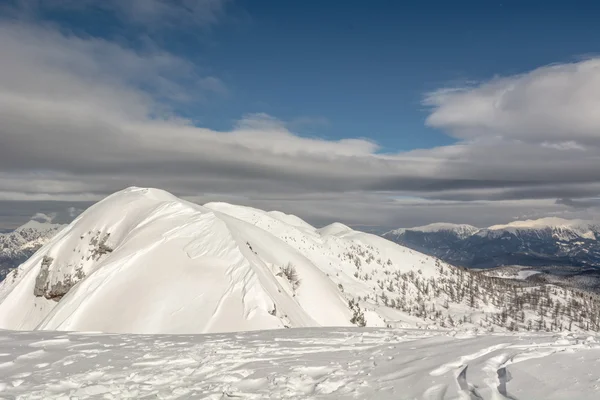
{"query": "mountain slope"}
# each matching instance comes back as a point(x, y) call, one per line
point(458, 230)
point(17, 246)
point(144, 261)
point(543, 242)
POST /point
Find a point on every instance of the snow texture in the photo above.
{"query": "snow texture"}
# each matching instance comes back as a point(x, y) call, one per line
point(460, 230)
point(323, 363)
point(144, 261)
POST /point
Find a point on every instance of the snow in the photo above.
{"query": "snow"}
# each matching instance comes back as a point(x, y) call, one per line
point(40, 226)
point(541, 223)
point(462, 230)
point(526, 274)
point(565, 229)
point(510, 272)
point(145, 295)
point(29, 235)
point(325, 363)
point(144, 261)
point(562, 229)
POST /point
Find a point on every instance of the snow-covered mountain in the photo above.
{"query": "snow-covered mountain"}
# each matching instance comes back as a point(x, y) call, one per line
point(542, 242)
point(17, 246)
point(556, 228)
point(458, 230)
point(144, 261)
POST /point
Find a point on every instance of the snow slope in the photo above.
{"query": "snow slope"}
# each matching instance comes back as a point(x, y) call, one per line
point(323, 363)
point(460, 230)
point(144, 261)
point(560, 228)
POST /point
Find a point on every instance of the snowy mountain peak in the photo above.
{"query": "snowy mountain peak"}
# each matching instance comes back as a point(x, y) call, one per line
point(142, 260)
point(460, 230)
point(541, 223)
point(335, 229)
point(39, 226)
point(18, 245)
point(563, 229)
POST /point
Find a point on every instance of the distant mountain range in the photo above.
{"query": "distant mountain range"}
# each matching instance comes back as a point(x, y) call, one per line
point(542, 242)
point(18, 245)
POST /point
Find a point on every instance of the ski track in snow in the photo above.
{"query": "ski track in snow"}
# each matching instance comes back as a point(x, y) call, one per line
point(312, 363)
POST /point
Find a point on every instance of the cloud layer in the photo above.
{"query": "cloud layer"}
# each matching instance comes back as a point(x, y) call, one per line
point(554, 105)
point(83, 117)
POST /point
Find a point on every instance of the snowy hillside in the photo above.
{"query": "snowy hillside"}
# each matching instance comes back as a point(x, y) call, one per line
point(144, 261)
point(546, 242)
point(460, 230)
point(18, 245)
point(316, 363)
point(560, 228)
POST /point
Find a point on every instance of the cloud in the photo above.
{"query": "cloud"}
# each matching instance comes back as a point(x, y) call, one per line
point(579, 203)
point(148, 14)
point(72, 212)
point(41, 217)
point(81, 117)
point(556, 104)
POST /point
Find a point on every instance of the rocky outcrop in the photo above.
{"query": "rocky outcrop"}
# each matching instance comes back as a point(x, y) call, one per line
point(54, 287)
point(41, 281)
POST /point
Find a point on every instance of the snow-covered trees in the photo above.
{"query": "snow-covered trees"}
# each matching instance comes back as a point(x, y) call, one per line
point(457, 296)
point(358, 317)
point(289, 271)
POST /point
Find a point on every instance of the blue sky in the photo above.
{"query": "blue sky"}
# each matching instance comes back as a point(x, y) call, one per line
point(360, 70)
point(383, 113)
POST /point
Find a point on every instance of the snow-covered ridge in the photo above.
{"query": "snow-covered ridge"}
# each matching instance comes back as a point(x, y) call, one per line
point(461, 230)
point(144, 261)
point(18, 245)
point(27, 235)
point(561, 228)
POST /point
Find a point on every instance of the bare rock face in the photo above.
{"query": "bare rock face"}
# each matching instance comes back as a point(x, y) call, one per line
point(53, 282)
point(42, 279)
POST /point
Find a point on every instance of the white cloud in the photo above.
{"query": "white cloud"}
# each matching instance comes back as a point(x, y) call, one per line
point(553, 104)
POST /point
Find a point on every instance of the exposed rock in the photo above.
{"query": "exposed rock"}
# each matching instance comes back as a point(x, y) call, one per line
point(54, 288)
point(41, 281)
point(100, 246)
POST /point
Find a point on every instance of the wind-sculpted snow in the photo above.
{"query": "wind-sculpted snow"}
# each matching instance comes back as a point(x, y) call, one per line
point(324, 363)
point(144, 261)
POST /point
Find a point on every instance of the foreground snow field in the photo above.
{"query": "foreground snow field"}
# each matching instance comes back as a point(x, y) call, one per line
point(336, 363)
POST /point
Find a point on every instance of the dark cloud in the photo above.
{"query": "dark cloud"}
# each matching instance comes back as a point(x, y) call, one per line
point(579, 203)
point(15, 213)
